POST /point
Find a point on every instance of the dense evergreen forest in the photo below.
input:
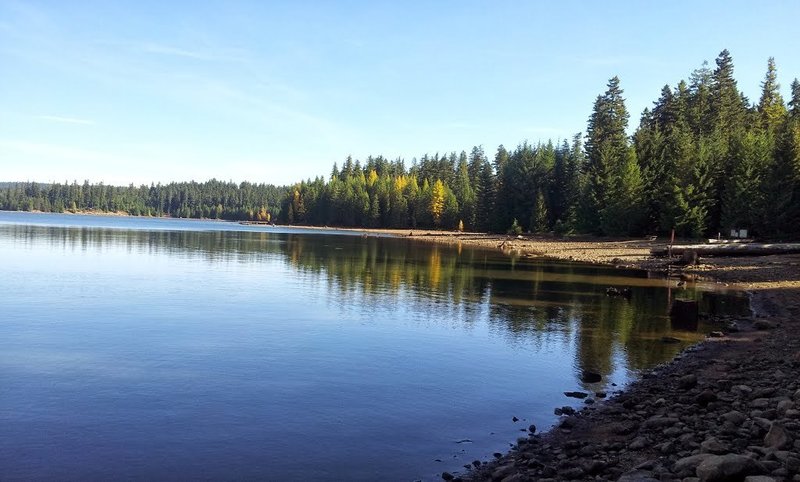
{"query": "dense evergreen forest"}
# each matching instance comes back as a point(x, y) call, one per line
point(704, 159)
point(211, 199)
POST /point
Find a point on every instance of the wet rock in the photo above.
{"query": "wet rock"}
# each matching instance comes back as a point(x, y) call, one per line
point(590, 377)
point(532, 428)
point(716, 334)
point(447, 476)
point(576, 394)
point(758, 478)
point(515, 478)
point(777, 437)
point(720, 468)
point(567, 423)
point(670, 339)
point(600, 394)
point(503, 471)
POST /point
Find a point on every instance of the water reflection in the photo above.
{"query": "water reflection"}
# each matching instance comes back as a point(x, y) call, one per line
point(526, 301)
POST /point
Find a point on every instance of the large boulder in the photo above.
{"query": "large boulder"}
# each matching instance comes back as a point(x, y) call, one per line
point(721, 468)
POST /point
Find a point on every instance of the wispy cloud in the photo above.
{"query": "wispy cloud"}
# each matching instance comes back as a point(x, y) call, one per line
point(65, 120)
point(154, 48)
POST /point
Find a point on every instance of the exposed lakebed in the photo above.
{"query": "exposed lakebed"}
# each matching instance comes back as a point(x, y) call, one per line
point(148, 348)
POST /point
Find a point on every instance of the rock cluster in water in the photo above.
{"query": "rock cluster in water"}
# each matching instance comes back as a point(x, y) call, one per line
point(726, 410)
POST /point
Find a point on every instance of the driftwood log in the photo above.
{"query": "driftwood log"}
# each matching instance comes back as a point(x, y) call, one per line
point(751, 249)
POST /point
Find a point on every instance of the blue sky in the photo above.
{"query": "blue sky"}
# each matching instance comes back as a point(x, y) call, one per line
point(272, 91)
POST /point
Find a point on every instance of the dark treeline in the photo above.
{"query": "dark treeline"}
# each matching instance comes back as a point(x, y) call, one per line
point(212, 199)
point(703, 160)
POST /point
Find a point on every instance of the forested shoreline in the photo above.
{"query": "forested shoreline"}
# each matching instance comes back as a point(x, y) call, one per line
point(703, 160)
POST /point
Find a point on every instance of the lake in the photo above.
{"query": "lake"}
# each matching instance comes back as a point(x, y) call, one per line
point(137, 348)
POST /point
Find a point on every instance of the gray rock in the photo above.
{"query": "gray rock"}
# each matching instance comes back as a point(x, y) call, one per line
point(639, 443)
point(573, 473)
point(515, 478)
point(777, 437)
point(687, 381)
point(705, 397)
point(796, 396)
point(763, 325)
point(637, 476)
point(687, 465)
point(725, 467)
point(760, 403)
point(503, 471)
point(713, 446)
point(735, 417)
point(784, 406)
point(758, 478)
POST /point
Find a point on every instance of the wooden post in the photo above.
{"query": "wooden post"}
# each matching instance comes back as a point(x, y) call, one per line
point(671, 242)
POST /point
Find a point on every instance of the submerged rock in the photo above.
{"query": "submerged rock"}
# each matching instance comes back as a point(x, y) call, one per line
point(591, 377)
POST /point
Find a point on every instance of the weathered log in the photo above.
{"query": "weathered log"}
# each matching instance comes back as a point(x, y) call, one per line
point(751, 249)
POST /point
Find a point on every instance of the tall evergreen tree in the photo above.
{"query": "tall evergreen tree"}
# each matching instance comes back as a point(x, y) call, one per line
point(606, 154)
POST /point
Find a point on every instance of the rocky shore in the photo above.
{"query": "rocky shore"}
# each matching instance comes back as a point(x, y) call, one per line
point(726, 409)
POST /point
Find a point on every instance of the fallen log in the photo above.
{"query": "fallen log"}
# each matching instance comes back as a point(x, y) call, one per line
point(750, 249)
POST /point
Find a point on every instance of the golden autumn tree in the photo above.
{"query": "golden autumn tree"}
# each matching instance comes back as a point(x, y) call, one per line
point(437, 202)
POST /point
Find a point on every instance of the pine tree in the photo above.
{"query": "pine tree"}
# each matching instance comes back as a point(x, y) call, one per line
point(770, 107)
point(606, 152)
point(539, 215)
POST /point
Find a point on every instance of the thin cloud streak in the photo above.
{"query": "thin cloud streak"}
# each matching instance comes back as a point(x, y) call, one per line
point(66, 120)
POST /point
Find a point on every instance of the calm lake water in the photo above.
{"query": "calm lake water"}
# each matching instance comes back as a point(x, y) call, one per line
point(135, 348)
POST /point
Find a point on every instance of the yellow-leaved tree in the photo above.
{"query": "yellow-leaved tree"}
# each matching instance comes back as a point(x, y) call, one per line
point(437, 202)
